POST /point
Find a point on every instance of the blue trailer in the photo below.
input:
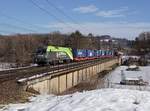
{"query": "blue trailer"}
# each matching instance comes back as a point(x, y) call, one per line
point(79, 54)
point(103, 53)
point(96, 53)
point(108, 53)
point(90, 54)
point(111, 53)
point(99, 53)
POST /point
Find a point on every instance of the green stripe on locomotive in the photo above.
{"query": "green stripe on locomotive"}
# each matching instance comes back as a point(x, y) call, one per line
point(66, 50)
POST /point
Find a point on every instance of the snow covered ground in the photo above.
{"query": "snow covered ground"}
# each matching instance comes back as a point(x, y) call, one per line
point(96, 100)
point(7, 66)
point(115, 76)
point(110, 99)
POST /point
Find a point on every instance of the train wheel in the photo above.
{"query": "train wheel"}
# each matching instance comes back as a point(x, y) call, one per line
point(68, 61)
point(54, 63)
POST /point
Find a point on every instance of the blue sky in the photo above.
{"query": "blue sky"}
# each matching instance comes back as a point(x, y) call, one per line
point(118, 18)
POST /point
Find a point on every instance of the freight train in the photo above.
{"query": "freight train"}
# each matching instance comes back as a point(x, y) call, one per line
point(55, 55)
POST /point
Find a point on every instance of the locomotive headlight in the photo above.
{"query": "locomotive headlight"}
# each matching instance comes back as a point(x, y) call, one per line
point(40, 55)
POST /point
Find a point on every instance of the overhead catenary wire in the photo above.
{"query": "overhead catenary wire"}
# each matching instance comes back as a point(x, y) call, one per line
point(18, 27)
point(50, 14)
point(8, 32)
point(59, 10)
point(21, 21)
point(66, 15)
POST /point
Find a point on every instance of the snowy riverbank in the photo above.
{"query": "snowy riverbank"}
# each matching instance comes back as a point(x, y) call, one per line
point(115, 76)
point(96, 100)
point(110, 99)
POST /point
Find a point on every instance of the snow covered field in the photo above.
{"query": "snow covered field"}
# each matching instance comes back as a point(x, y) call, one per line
point(96, 100)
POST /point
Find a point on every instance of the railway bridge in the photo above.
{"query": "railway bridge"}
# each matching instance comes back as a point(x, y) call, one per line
point(58, 81)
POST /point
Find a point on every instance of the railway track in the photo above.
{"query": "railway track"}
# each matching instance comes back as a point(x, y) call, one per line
point(15, 69)
point(32, 71)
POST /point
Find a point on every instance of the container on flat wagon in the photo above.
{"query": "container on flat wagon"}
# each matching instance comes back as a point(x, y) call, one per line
point(103, 53)
point(79, 53)
point(99, 53)
point(111, 53)
point(90, 53)
point(106, 53)
point(96, 53)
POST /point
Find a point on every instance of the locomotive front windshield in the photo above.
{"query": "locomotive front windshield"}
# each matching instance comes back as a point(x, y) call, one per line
point(41, 51)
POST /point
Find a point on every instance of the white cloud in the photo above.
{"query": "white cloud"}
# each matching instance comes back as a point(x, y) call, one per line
point(113, 13)
point(119, 29)
point(103, 13)
point(86, 9)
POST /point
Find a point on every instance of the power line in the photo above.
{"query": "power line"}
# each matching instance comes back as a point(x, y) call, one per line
point(62, 12)
point(17, 27)
point(4, 31)
point(50, 3)
point(20, 21)
point(50, 14)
